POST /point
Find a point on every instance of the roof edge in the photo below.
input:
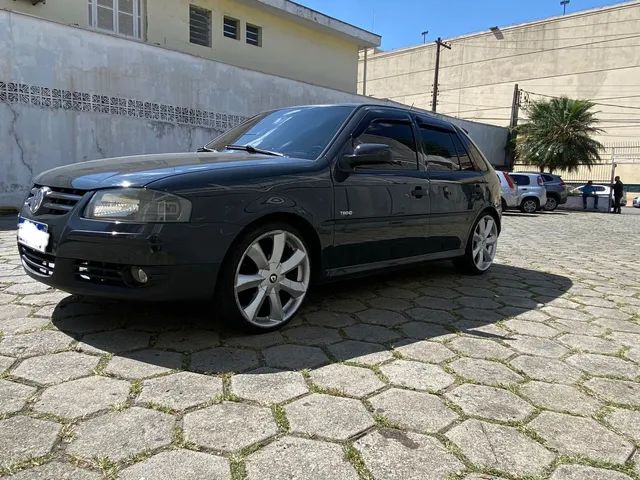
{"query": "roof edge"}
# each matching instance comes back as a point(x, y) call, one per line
point(319, 20)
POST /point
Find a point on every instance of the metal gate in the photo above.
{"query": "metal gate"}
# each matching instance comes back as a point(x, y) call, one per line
point(604, 172)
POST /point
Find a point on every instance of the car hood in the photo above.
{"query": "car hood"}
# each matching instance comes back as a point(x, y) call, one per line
point(140, 170)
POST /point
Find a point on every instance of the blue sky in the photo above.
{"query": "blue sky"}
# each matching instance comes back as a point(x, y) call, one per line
point(400, 22)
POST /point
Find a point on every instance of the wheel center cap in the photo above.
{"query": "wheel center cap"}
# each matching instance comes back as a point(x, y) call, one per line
point(273, 278)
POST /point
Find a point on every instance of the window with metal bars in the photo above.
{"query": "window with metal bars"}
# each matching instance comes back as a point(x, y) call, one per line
point(123, 17)
point(232, 28)
point(199, 26)
point(254, 35)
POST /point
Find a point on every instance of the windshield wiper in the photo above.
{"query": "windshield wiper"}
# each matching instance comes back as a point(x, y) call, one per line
point(204, 149)
point(250, 149)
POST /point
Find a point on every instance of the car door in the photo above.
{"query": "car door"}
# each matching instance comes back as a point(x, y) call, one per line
point(457, 185)
point(381, 211)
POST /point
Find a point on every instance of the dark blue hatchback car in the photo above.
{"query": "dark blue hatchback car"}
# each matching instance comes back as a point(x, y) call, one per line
point(289, 197)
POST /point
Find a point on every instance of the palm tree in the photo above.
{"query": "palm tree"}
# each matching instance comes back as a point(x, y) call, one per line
point(558, 135)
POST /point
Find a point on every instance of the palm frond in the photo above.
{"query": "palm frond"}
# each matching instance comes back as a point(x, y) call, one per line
point(558, 134)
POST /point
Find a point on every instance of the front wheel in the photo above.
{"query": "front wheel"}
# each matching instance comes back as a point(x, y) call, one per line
point(481, 247)
point(530, 205)
point(265, 279)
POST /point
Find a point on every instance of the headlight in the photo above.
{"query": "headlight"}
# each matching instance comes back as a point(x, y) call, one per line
point(138, 205)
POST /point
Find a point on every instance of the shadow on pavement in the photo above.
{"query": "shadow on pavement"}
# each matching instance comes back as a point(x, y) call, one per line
point(359, 321)
point(8, 222)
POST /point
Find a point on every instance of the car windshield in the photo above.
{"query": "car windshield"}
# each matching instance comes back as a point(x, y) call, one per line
point(301, 132)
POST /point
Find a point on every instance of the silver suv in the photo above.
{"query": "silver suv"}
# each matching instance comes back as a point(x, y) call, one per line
point(532, 195)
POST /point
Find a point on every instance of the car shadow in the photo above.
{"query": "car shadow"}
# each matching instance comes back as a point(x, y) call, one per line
point(519, 214)
point(8, 222)
point(360, 321)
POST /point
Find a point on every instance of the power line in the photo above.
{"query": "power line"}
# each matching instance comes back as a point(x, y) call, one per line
point(533, 78)
point(595, 103)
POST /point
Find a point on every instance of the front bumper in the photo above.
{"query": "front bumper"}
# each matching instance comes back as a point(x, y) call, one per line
point(94, 258)
point(112, 280)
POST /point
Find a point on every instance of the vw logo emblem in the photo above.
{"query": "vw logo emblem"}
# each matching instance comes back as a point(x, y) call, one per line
point(38, 197)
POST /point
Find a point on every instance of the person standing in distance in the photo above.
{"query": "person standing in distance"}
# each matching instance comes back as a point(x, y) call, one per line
point(618, 192)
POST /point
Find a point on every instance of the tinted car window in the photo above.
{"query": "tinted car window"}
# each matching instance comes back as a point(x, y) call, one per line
point(294, 132)
point(398, 135)
point(465, 160)
point(521, 179)
point(600, 189)
point(547, 178)
point(439, 149)
point(476, 157)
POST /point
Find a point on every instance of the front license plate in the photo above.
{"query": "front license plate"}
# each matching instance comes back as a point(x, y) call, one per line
point(33, 234)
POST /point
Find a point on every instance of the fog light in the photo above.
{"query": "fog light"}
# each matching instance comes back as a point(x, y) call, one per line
point(139, 275)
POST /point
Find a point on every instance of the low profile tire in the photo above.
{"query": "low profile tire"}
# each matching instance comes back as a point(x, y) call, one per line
point(530, 205)
point(551, 205)
point(265, 278)
point(481, 247)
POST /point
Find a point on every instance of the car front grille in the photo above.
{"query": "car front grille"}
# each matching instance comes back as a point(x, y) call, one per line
point(57, 201)
point(40, 263)
point(100, 273)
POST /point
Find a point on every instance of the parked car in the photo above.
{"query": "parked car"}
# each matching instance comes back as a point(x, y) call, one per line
point(603, 192)
point(557, 190)
point(290, 196)
point(636, 202)
point(508, 191)
point(532, 195)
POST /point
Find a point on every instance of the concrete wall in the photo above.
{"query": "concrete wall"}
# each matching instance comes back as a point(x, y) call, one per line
point(68, 95)
point(593, 54)
point(289, 48)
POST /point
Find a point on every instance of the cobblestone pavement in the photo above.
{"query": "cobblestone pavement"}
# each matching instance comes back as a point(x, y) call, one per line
point(529, 372)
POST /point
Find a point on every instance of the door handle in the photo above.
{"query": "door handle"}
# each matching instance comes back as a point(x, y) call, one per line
point(446, 191)
point(418, 192)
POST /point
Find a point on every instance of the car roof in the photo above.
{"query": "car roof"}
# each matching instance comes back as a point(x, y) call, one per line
point(433, 118)
point(541, 173)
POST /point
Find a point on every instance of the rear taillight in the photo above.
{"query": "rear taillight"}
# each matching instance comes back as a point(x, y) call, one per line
point(540, 181)
point(509, 180)
point(562, 182)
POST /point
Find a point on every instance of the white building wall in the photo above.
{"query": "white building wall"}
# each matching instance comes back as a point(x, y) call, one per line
point(68, 95)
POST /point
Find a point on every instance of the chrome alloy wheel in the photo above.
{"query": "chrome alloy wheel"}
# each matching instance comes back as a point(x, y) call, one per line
point(272, 278)
point(485, 242)
point(529, 206)
point(551, 204)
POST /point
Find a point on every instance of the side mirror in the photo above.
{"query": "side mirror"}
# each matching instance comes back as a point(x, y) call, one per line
point(367, 154)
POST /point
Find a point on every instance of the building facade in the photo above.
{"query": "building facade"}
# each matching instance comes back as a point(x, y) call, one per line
point(277, 37)
point(593, 55)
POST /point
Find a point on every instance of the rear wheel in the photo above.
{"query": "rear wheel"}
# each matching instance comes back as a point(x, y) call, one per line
point(551, 205)
point(265, 279)
point(530, 205)
point(481, 247)
point(504, 205)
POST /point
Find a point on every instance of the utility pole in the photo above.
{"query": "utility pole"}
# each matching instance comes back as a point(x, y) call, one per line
point(515, 107)
point(364, 72)
point(439, 44)
point(424, 36)
point(564, 4)
point(513, 123)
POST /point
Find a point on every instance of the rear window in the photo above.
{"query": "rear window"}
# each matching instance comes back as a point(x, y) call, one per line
point(439, 149)
point(521, 179)
point(547, 178)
